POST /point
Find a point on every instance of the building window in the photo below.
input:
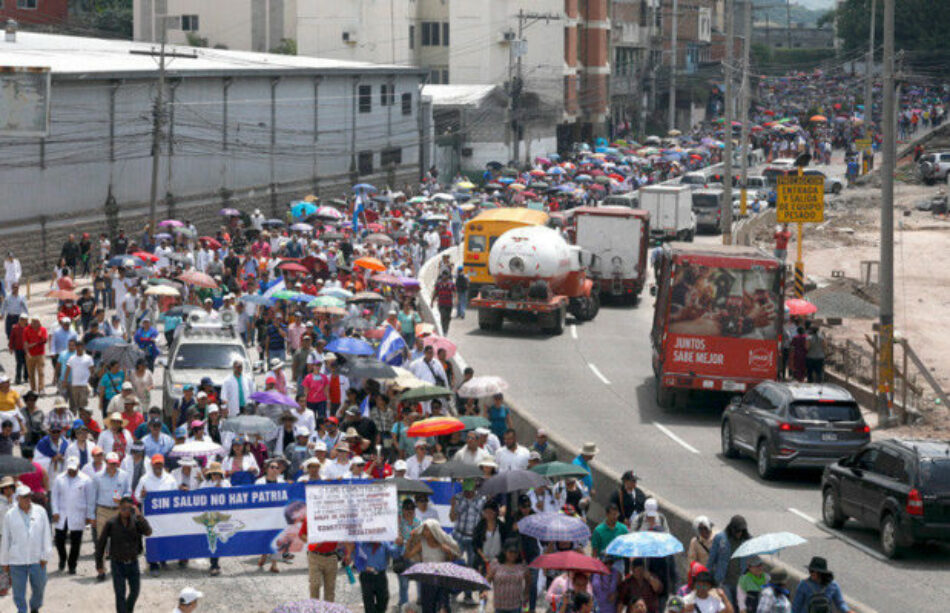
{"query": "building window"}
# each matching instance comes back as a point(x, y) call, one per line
point(430, 34)
point(366, 98)
point(365, 163)
point(189, 23)
point(390, 157)
point(407, 104)
point(387, 95)
point(445, 34)
point(434, 77)
point(27, 5)
point(445, 76)
point(412, 37)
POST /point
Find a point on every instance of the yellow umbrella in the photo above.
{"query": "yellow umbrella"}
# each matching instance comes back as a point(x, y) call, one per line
point(465, 185)
point(162, 290)
point(310, 198)
point(517, 186)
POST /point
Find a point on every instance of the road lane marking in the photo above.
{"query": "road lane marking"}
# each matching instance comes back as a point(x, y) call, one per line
point(574, 332)
point(675, 438)
point(803, 515)
point(598, 374)
point(877, 555)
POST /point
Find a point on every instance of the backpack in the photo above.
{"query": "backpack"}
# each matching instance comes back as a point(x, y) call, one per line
point(818, 603)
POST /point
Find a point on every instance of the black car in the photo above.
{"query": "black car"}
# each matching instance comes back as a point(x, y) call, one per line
point(804, 425)
point(900, 486)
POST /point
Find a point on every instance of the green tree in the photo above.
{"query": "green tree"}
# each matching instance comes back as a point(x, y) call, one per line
point(920, 26)
point(287, 46)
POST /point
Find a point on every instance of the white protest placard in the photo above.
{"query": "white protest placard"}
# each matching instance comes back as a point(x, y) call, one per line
point(352, 512)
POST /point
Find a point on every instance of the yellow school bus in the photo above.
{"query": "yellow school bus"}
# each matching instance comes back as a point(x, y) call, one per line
point(481, 232)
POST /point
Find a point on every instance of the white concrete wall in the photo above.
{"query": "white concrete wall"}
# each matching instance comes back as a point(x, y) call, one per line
point(381, 29)
point(482, 153)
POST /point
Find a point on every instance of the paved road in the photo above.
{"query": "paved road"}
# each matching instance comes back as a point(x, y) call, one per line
point(595, 383)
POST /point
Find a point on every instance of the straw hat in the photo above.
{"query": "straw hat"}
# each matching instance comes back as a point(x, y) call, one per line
point(116, 416)
point(214, 468)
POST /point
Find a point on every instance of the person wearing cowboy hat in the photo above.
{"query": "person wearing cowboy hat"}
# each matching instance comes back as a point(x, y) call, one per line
point(820, 588)
point(311, 470)
point(277, 373)
point(583, 459)
point(116, 437)
point(188, 475)
point(25, 549)
point(356, 442)
point(339, 466)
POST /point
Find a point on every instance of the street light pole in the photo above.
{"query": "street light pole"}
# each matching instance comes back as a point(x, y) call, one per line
point(157, 129)
point(868, 83)
point(727, 127)
point(886, 281)
point(744, 110)
point(673, 50)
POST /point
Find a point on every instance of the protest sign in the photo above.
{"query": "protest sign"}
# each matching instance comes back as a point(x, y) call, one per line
point(352, 512)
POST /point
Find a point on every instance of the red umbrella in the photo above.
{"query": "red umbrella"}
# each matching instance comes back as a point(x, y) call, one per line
point(293, 267)
point(313, 263)
point(370, 264)
point(769, 113)
point(210, 242)
point(435, 426)
point(570, 560)
point(375, 227)
point(798, 307)
point(200, 279)
point(529, 194)
point(144, 255)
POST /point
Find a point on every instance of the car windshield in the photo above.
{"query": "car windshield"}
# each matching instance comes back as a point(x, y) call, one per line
point(935, 475)
point(207, 357)
point(705, 201)
point(693, 179)
point(825, 411)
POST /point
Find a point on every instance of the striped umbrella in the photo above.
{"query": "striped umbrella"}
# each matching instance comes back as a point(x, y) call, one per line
point(435, 426)
point(555, 527)
point(448, 575)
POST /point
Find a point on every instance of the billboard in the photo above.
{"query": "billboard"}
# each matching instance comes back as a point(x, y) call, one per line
point(24, 101)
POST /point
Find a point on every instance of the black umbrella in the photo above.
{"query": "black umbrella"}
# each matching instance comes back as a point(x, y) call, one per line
point(15, 465)
point(331, 236)
point(494, 165)
point(453, 469)
point(367, 368)
point(126, 354)
point(411, 486)
point(182, 310)
point(512, 481)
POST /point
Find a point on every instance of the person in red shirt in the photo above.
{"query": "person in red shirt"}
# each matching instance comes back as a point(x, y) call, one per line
point(85, 414)
point(376, 466)
point(18, 349)
point(34, 341)
point(322, 565)
point(445, 238)
point(782, 236)
point(68, 309)
point(133, 417)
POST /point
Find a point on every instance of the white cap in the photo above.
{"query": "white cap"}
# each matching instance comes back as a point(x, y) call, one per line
point(301, 431)
point(188, 595)
point(127, 386)
point(112, 457)
point(482, 431)
point(4, 379)
point(421, 443)
point(188, 462)
point(23, 490)
point(358, 460)
point(201, 395)
point(65, 320)
point(651, 507)
point(320, 446)
point(72, 463)
point(212, 408)
point(400, 465)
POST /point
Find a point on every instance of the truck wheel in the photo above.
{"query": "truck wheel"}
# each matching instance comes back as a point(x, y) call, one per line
point(690, 235)
point(594, 305)
point(489, 320)
point(557, 327)
point(664, 395)
point(836, 189)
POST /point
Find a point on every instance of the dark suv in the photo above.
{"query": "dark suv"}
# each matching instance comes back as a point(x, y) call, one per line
point(900, 486)
point(806, 425)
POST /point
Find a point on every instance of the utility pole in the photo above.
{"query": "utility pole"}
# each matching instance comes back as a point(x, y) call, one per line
point(744, 109)
point(673, 50)
point(516, 51)
point(157, 113)
point(868, 84)
point(788, 23)
point(886, 325)
point(727, 126)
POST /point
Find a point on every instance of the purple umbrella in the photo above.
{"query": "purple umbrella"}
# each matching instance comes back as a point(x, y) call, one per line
point(163, 236)
point(409, 282)
point(555, 527)
point(230, 212)
point(448, 575)
point(311, 606)
point(272, 397)
point(170, 223)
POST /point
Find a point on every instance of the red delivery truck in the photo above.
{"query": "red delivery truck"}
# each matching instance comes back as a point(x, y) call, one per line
point(717, 321)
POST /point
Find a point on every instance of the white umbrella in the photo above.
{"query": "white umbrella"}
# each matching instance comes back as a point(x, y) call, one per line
point(196, 449)
point(768, 543)
point(482, 387)
point(405, 379)
point(162, 290)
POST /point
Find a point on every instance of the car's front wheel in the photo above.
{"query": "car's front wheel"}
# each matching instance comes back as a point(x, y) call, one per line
point(830, 510)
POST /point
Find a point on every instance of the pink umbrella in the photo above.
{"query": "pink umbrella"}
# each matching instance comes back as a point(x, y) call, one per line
point(440, 342)
point(797, 307)
point(171, 223)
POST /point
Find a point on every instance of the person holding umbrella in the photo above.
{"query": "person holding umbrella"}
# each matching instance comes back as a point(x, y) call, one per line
point(725, 569)
point(429, 543)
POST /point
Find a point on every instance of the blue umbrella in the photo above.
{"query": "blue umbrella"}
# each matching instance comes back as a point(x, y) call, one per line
point(363, 187)
point(582, 178)
point(257, 299)
point(506, 180)
point(123, 260)
point(768, 543)
point(644, 545)
point(103, 342)
point(555, 527)
point(350, 346)
point(302, 209)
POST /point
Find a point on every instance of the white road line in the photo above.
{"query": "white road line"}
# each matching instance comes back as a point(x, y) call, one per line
point(675, 438)
point(803, 515)
point(574, 332)
point(598, 374)
point(877, 555)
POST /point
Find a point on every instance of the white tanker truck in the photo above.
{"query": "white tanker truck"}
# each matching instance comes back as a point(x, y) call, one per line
point(539, 278)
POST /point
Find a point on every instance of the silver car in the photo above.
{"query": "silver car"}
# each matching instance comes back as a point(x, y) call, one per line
point(805, 425)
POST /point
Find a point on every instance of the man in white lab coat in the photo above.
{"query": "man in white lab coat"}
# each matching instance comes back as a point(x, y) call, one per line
point(74, 506)
point(25, 548)
point(236, 390)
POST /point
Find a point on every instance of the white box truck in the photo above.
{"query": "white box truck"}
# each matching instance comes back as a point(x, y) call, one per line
point(671, 211)
point(617, 236)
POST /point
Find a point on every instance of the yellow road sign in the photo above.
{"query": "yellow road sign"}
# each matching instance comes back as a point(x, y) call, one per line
point(863, 144)
point(801, 199)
